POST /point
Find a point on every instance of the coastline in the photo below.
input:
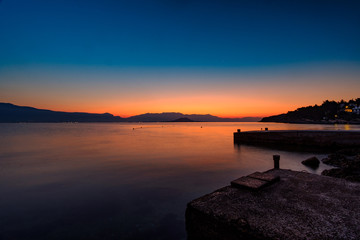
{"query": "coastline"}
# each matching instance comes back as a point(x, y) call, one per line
point(315, 122)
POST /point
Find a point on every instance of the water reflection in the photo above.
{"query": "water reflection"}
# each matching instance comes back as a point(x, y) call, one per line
point(121, 181)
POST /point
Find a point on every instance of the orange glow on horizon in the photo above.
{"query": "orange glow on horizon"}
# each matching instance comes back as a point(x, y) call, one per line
point(221, 105)
point(229, 96)
point(215, 107)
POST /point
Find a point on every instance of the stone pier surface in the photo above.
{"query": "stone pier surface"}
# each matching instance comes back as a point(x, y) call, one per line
point(299, 205)
point(326, 139)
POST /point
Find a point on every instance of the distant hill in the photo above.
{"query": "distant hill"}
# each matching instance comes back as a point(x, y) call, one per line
point(12, 113)
point(171, 116)
point(328, 112)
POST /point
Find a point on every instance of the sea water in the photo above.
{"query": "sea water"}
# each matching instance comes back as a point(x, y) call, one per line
point(123, 180)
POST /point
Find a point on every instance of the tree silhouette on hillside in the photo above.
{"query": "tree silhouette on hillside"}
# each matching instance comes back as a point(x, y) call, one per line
point(328, 111)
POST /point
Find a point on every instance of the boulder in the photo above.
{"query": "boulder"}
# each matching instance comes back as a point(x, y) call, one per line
point(312, 162)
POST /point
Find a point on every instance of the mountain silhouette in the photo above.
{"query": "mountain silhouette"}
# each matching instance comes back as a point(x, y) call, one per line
point(171, 116)
point(13, 113)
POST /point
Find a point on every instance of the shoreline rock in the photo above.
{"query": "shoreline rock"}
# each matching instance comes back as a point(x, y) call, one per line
point(312, 162)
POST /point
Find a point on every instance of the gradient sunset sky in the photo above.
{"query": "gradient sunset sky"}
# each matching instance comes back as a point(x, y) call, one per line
point(229, 58)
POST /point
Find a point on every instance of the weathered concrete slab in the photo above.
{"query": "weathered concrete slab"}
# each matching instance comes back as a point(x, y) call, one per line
point(299, 206)
point(269, 176)
point(255, 181)
point(248, 182)
point(323, 139)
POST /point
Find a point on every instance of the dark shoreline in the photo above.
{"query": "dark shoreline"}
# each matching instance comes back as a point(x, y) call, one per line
point(313, 122)
point(319, 123)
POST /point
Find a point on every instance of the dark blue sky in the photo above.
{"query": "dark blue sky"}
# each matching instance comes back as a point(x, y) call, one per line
point(224, 57)
point(176, 33)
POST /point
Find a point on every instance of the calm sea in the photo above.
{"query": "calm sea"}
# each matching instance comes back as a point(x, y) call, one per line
point(122, 180)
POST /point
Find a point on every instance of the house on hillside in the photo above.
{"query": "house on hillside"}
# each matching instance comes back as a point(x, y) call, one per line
point(356, 110)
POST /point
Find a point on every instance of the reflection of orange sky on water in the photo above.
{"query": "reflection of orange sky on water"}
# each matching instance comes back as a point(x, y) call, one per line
point(235, 96)
point(113, 150)
point(119, 144)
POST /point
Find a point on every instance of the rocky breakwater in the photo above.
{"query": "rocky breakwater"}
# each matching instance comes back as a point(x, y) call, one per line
point(346, 163)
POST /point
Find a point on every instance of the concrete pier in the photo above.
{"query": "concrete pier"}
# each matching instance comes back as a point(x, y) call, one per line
point(323, 139)
point(298, 205)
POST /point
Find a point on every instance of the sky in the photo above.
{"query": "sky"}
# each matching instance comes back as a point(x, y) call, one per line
point(222, 57)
